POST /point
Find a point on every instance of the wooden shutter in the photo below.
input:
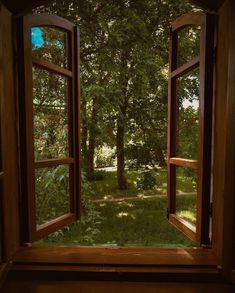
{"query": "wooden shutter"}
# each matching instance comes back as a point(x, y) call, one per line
point(200, 63)
point(48, 71)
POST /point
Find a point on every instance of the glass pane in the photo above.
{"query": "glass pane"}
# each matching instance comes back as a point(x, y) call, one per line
point(50, 115)
point(186, 193)
point(50, 44)
point(188, 115)
point(52, 193)
point(188, 44)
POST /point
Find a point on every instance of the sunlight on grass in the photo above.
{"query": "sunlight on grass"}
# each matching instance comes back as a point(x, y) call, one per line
point(139, 221)
point(188, 216)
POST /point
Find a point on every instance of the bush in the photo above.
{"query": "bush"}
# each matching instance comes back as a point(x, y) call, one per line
point(104, 157)
point(98, 175)
point(87, 228)
point(147, 180)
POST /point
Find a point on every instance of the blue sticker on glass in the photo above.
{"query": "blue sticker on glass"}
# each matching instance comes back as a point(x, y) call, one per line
point(37, 38)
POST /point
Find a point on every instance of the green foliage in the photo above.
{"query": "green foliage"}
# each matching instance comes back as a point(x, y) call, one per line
point(147, 180)
point(98, 175)
point(104, 157)
point(84, 231)
point(101, 221)
point(124, 56)
point(124, 62)
point(52, 193)
point(50, 115)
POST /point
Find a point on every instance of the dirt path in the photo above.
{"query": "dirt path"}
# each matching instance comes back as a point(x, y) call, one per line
point(135, 197)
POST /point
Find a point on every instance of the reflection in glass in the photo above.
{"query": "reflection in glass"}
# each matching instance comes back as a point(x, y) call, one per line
point(49, 44)
point(188, 44)
point(186, 193)
point(52, 193)
point(50, 115)
point(188, 115)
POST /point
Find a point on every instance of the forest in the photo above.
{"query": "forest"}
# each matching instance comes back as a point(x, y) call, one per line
point(124, 53)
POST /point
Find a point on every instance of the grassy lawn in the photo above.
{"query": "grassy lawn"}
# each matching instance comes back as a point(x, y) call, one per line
point(107, 188)
point(126, 223)
point(135, 222)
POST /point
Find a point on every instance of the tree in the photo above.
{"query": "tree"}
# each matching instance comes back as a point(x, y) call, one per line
point(124, 67)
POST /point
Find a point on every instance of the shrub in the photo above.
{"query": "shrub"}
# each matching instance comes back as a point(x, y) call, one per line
point(87, 228)
point(98, 175)
point(147, 180)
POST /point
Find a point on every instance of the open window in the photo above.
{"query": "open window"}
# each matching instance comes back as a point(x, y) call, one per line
point(190, 104)
point(49, 124)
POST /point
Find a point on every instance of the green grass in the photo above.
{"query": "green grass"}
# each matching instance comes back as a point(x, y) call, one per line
point(186, 207)
point(108, 189)
point(135, 222)
point(128, 223)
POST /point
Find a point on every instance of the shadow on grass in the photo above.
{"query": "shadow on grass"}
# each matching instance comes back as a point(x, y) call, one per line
point(134, 223)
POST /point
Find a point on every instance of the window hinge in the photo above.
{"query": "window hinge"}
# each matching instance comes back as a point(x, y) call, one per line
point(211, 210)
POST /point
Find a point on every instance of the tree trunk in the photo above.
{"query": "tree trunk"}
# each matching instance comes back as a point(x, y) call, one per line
point(160, 158)
point(121, 178)
point(84, 136)
point(121, 121)
point(92, 139)
point(90, 157)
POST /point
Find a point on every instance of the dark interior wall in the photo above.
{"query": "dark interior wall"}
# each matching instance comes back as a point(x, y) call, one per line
point(55, 286)
point(221, 75)
point(211, 4)
point(224, 145)
point(9, 134)
point(224, 139)
point(228, 251)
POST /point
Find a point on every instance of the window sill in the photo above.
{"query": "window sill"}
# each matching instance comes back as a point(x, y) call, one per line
point(126, 257)
point(4, 269)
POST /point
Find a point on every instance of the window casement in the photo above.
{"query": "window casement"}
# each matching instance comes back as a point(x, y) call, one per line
point(48, 72)
point(191, 86)
point(48, 75)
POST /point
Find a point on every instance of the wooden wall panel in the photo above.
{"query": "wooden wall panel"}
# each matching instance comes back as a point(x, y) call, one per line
point(9, 135)
point(224, 140)
point(220, 126)
point(114, 287)
point(228, 249)
point(211, 4)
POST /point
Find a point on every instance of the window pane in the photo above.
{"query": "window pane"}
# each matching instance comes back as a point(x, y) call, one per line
point(50, 44)
point(188, 44)
point(50, 104)
point(186, 193)
point(188, 115)
point(52, 193)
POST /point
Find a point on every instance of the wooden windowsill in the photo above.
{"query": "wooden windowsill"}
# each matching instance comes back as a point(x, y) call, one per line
point(4, 269)
point(148, 258)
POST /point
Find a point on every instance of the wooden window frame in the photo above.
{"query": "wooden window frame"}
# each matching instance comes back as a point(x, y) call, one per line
point(108, 256)
point(118, 259)
point(205, 62)
point(29, 229)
